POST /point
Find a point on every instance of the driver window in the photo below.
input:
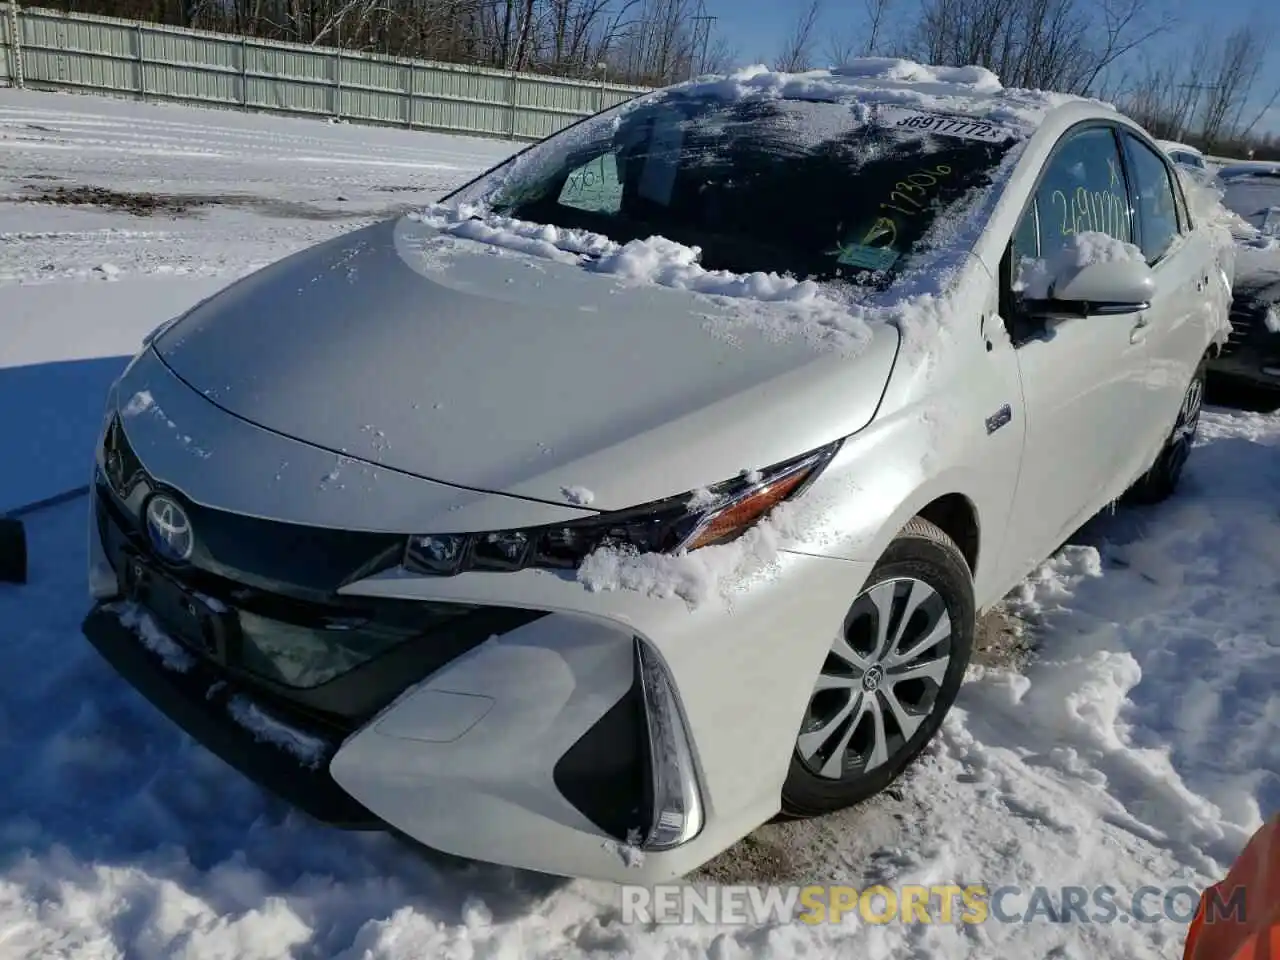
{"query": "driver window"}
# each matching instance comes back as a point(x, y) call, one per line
point(1083, 190)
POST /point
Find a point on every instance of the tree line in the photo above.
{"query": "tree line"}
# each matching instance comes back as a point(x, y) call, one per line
point(1209, 91)
point(643, 42)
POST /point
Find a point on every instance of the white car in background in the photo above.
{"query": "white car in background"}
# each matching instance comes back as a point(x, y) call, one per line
point(650, 486)
point(1189, 158)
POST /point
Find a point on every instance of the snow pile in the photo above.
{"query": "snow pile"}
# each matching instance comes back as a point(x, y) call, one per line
point(670, 264)
point(171, 653)
point(265, 728)
point(920, 302)
point(578, 496)
point(780, 305)
point(655, 260)
point(1205, 199)
point(472, 221)
point(710, 573)
point(695, 577)
point(1037, 277)
point(828, 314)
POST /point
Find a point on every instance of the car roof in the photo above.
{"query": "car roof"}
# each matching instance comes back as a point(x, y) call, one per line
point(1247, 167)
point(969, 91)
point(1173, 146)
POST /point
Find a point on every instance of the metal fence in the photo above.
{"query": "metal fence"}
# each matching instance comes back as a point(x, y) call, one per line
point(49, 50)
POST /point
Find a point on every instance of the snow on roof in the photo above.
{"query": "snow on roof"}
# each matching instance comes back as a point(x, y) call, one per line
point(1239, 168)
point(970, 91)
point(1170, 145)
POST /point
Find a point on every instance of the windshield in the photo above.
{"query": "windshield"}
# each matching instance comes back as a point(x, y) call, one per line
point(814, 189)
point(1255, 196)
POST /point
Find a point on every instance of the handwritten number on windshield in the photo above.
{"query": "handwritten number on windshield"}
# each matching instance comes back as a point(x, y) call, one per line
point(904, 200)
point(1096, 210)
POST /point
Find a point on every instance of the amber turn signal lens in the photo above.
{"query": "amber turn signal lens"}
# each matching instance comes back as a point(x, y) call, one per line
point(736, 517)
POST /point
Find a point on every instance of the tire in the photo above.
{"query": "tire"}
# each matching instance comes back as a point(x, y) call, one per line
point(823, 779)
point(1161, 481)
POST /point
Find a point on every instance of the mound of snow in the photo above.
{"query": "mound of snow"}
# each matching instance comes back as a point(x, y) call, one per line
point(969, 90)
point(1037, 276)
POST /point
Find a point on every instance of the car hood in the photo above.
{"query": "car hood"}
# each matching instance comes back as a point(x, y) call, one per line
point(1258, 272)
point(502, 372)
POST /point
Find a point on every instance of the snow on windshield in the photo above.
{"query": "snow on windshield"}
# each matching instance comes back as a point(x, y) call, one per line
point(814, 204)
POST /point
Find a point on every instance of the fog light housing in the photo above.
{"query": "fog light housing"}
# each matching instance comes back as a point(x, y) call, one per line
point(677, 810)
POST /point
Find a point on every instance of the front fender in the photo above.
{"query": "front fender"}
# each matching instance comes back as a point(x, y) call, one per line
point(891, 471)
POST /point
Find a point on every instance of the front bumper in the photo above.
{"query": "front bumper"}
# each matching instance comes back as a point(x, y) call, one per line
point(532, 747)
point(198, 700)
point(1251, 354)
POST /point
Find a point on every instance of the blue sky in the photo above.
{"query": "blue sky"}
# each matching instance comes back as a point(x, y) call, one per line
point(757, 29)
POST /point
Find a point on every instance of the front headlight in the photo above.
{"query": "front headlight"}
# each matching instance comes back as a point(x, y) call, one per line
point(691, 521)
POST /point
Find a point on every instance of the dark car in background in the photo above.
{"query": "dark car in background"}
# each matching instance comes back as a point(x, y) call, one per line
point(1251, 356)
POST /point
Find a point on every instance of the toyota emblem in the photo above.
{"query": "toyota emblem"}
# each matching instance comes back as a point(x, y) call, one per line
point(169, 529)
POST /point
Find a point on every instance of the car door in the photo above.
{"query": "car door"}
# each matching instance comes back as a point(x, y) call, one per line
point(1081, 378)
point(1176, 330)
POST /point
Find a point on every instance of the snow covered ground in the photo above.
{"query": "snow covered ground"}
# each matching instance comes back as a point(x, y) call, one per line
point(1137, 748)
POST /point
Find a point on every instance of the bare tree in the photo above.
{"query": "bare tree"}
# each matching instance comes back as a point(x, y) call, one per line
point(1231, 80)
point(864, 40)
point(1064, 45)
point(797, 50)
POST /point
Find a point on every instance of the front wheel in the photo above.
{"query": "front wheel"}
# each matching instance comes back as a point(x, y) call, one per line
point(1161, 481)
point(892, 673)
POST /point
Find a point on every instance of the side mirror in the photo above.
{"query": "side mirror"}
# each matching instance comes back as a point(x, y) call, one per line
point(1103, 288)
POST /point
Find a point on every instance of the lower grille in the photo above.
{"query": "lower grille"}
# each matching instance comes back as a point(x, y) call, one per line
point(338, 661)
point(1246, 316)
point(198, 701)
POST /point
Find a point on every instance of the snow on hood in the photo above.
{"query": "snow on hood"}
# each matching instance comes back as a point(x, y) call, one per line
point(809, 308)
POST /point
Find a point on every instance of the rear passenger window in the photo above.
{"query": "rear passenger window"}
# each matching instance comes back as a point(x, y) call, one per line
point(1154, 202)
point(594, 186)
point(1083, 191)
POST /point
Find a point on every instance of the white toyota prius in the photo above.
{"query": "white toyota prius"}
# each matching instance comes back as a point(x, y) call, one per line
point(648, 487)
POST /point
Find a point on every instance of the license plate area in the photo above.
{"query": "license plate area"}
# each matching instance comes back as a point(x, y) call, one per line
point(187, 617)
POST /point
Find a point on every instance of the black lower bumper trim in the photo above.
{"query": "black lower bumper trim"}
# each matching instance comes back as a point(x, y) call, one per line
point(184, 698)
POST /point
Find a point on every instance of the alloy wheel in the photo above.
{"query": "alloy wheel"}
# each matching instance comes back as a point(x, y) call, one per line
point(880, 680)
point(1184, 433)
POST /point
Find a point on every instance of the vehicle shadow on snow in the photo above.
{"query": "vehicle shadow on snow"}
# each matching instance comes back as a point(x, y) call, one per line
point(54, 411)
